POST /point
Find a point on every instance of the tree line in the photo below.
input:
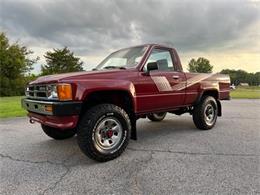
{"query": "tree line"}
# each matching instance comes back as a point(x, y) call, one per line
point(16, 65)
point(241, 76)
point(237, 76)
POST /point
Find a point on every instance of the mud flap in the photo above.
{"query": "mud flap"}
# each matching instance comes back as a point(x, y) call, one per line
point(133, 135)
point(219, 108)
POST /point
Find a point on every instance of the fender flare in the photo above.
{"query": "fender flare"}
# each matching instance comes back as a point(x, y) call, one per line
point(217, 100)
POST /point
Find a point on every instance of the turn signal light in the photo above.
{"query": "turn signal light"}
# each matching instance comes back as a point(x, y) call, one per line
point(64, 92)
point(48, 108)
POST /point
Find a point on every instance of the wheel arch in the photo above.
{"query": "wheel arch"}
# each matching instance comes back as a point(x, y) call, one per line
point(121, 98)
point(211, 92)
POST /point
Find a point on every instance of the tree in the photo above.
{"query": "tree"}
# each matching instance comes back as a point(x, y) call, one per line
point(14, 65)
point(257, 78)
point(241, 76)
point(200, 65)
point(61, 61)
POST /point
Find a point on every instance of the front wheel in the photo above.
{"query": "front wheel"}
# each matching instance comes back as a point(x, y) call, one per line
point(156, 117)
point(205, 113)
point(103, 132)
point(58, 134)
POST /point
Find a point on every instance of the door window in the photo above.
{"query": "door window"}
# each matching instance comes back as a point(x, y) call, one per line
point(163, 59)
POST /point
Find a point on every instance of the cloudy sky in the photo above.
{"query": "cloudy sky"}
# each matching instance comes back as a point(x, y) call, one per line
point(227, 32)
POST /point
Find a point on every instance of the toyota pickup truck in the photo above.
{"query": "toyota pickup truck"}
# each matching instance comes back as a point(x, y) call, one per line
point(102, 106)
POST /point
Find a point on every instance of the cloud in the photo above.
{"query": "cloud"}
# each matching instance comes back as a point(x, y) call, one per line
point(93, 26)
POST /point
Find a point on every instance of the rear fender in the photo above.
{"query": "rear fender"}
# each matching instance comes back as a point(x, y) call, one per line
point(214, 93)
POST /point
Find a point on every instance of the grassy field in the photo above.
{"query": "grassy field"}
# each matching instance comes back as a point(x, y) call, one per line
point(11, 106)
point(246, 93)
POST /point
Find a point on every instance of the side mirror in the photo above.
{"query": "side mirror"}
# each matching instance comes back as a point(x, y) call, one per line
point(150, 66)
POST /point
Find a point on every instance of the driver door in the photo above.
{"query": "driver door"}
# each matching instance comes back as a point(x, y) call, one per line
point(164, 83)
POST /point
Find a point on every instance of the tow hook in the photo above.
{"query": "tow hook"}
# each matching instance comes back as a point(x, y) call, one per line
point(31, 121)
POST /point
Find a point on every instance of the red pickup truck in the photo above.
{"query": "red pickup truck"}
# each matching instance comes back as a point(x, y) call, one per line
point(103, 105)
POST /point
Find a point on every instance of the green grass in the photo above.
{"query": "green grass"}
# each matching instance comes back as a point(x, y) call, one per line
point(11, 107)
point(246, 93)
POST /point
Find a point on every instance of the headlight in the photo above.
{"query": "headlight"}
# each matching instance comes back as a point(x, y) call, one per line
point(61, 91)
point(52, 92)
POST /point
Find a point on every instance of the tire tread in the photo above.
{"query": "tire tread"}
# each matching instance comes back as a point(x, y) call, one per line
point(152, 118)
point(86, 126)
point(198, 113)
point(58, 134)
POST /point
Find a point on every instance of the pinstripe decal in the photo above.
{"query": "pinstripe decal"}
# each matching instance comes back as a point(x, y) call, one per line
point(163, 84)
point(192, 81)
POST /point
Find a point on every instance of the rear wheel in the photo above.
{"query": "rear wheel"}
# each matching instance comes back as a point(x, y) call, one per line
point(103, 132)
point(205, 113)
point(58, 134)
point(157, 116)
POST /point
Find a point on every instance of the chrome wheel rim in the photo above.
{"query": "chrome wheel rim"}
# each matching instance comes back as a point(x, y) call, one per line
point(209, 114)
point(108, 134)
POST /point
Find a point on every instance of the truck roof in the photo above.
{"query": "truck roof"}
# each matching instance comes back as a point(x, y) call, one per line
point(149, 45)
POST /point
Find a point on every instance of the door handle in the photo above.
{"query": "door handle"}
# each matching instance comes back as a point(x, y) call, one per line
point(175, 77)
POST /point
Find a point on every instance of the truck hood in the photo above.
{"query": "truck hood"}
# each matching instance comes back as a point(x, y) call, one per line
point(101, 74)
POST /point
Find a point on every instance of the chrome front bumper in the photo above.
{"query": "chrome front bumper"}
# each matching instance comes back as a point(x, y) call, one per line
point(57, 108)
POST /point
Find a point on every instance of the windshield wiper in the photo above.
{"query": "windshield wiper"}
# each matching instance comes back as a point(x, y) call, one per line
point(115, 67)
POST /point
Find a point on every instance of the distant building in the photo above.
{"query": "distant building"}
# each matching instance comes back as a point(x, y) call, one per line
point(244, 84)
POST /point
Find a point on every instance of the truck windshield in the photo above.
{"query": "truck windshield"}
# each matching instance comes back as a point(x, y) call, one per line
point(122, 59)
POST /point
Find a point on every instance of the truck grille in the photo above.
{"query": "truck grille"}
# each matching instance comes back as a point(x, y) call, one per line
point(37, 91)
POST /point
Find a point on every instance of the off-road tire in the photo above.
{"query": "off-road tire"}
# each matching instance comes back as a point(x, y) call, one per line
point(58, 134)
point(199, 118)
point(157, 117)
point(88, 127)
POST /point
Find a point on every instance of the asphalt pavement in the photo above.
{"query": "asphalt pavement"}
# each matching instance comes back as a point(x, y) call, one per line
point(169, 157)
